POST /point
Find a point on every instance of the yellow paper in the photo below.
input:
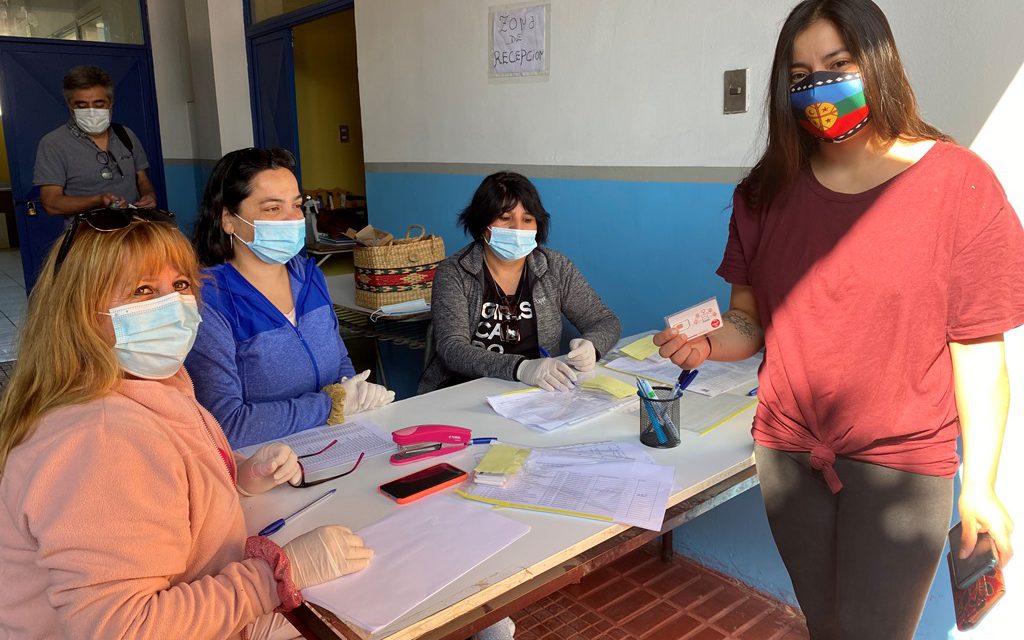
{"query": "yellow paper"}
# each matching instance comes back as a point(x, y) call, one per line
point(612, 386)
point(641, 349)
point(502, 458)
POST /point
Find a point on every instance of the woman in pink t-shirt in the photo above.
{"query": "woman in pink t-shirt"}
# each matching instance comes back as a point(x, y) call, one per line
point(119, 494)
point(878, 264)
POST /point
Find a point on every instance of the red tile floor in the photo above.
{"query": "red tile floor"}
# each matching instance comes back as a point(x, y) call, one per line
point(639, 597)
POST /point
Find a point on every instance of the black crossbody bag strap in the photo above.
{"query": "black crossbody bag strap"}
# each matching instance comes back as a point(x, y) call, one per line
point(122, 135)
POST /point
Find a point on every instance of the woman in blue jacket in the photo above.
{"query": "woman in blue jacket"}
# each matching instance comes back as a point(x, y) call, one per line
point(268, 359)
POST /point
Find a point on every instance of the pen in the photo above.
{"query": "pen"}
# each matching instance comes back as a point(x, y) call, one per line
point(544, 352)
point(277, 525)
point(685, 378)
point(482, 440)
point(752, 392)
point(645, 390)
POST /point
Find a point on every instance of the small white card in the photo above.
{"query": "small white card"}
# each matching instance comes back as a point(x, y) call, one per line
point(697, 320)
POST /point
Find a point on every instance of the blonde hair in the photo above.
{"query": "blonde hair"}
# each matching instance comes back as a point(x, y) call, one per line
point(64, 357)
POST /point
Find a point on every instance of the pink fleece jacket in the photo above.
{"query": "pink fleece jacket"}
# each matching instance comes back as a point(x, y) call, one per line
point(120, 519)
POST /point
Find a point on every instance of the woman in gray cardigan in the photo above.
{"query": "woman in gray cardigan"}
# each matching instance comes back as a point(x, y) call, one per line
point(498, 302)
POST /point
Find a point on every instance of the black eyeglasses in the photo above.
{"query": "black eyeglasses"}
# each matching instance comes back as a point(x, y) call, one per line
point(106, 220)
point(313, 483)
point(106, 159)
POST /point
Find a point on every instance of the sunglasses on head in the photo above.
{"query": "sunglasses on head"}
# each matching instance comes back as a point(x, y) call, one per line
point(106, 220)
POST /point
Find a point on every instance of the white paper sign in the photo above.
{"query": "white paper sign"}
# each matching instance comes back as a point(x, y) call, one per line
point(519, 40)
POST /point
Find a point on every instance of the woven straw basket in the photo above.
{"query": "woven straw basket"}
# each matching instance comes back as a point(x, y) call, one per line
point(397, 272)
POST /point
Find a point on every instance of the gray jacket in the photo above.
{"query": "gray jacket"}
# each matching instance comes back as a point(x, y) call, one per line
point(558, 287)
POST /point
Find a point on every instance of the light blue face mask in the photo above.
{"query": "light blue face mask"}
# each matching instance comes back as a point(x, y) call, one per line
point(276, 241)
point(512, 244)
point(154, 336)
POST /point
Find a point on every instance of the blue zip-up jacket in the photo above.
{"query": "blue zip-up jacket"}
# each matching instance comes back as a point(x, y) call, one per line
point(256, 373)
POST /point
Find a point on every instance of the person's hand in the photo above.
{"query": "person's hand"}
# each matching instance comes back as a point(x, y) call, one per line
point(377, 395)
point(548, 374)
point(326, 553)
point(684, 353)
point(271, 465)
point(981, 511)
point(582, 354)
point(146, 202)
point(111, 200)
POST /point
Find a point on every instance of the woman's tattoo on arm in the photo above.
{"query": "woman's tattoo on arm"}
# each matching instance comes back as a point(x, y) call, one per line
point(742, 323)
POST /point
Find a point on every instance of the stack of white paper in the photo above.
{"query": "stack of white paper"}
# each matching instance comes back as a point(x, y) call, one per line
point(603, 481)
point(418, 550)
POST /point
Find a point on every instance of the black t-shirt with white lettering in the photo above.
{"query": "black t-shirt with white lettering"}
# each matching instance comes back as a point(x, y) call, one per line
point(503, 316)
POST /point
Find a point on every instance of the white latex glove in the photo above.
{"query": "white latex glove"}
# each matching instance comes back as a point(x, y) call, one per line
point(271, 465)
point(356, 388)
point(548, 374)
point(361, 395)
point(326, 553)
point(582, 354)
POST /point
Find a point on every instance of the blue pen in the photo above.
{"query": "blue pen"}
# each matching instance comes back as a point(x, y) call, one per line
point(686, 376)
point(277, 525)
point(543, 352)
point(659, 433)
point(752, 392)
point(482, 440)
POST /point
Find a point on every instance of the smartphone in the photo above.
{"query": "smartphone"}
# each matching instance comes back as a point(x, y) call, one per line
point(422, 483)
point(982, 560)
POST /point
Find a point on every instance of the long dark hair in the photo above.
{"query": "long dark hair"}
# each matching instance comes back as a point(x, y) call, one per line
point(229, 184)
point(890, 99)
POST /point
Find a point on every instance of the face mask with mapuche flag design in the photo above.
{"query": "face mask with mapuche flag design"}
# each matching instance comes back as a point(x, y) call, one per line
point(830, 105)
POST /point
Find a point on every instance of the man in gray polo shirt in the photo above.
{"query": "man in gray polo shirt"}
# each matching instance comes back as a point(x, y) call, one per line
point(85, 163)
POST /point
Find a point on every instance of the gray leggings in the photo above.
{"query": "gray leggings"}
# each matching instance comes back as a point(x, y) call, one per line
point(861, 561)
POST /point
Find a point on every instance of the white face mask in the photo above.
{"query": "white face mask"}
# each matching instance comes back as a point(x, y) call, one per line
point(94, 121)
point(154, 336)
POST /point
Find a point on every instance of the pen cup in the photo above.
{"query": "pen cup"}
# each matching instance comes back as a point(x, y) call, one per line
point(659, 419)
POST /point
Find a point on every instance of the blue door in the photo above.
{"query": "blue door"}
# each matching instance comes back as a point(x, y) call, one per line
point(31, 74)
point(273, 76)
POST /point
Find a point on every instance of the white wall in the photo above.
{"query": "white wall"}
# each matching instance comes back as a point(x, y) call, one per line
point(637, 83)
point(172, 70)
point(201, 76)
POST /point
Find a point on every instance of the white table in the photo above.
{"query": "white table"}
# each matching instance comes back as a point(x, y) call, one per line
point(719, 457)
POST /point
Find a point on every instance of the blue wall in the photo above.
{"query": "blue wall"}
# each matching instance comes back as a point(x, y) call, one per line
point(648, 248)
point(185, 181)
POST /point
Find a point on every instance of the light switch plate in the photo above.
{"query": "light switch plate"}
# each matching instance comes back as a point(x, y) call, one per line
point(735, 91)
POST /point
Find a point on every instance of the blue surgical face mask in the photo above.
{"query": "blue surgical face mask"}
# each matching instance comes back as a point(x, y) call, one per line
point(276, 241)
point(512, 244)
point(154, 336)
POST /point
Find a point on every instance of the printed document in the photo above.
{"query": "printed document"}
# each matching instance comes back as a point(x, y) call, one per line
point(621, 491)
point(451, 537)
point(655, 368)
point(549, 410)
point(718, 377)
point(359, 435)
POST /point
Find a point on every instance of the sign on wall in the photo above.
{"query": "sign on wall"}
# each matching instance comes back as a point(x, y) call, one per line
point(519, 40)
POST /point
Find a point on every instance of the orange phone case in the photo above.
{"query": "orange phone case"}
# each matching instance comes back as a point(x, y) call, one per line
point(428, 491)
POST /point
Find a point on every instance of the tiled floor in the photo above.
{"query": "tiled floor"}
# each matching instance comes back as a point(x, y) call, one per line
point(639, 597)
point(12, 302)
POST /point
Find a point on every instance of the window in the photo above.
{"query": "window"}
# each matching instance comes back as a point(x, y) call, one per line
point(93, 20)
point(263, 9)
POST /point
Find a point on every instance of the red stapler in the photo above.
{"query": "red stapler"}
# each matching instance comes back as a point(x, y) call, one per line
point(429, 440)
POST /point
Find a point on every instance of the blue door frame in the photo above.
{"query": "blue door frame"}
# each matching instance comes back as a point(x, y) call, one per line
point(268, 48)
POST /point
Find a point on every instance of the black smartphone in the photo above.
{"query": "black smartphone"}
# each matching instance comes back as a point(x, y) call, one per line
point(422, 483)
point(982, 560)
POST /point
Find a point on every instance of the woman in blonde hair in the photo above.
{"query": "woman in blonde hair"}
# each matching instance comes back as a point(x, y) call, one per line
point(120, 511)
